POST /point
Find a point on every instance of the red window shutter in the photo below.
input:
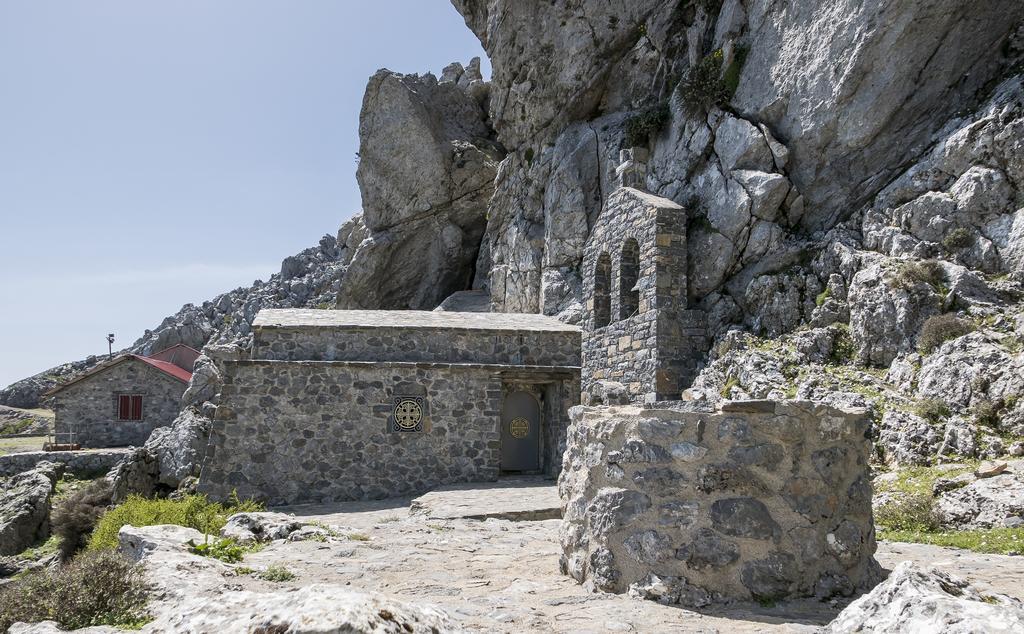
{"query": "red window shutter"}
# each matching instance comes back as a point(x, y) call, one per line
point(137, 407)
point(124, 407)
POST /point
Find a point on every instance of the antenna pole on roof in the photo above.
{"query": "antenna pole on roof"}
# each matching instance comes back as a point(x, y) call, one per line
point(110, 345)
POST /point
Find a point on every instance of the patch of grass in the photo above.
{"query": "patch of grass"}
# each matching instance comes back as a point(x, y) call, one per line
point(100, 588)
point(50, 547)
point(986, 413)
point(277, 574)
point(939, 329)
point(439, 528)
point(908, 512)
point(958, 238)
point(16, 426)
point(1001, 541)
point(358, 537)
point(193, 511)
point(822, 297)
point(920, 480)
point(730, 383)
point(932, 410)
point(244, 570)
point(642, 126)
point(330, 531)
point(389, 519)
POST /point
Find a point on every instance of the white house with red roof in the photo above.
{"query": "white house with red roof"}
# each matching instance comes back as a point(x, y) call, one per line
point(120, 402)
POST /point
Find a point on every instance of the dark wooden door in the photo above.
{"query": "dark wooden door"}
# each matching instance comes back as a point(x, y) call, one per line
point(520, 433)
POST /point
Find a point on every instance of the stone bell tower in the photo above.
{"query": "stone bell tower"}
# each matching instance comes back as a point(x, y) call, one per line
point(638, 329)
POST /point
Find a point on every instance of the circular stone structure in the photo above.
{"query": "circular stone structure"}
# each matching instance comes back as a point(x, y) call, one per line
point(756, 500)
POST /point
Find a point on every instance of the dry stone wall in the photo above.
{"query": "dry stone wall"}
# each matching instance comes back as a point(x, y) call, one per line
point(756, 500)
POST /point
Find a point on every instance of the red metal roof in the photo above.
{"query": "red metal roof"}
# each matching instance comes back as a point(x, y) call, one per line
point(167, 367)
point(179, 354)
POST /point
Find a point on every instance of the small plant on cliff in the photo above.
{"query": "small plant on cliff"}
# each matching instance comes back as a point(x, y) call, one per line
point(843, 349)
point(703, 86)
point(930, 272)
point(939, 329)
point(94, 589)
point(932, 410)
point(958, 238)
point(642, 126)
point(730, 383)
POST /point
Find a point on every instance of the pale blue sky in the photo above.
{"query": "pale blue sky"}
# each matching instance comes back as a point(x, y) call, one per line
point(154, 153)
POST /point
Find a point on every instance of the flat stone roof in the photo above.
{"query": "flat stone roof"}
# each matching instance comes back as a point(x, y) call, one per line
point(440, 320)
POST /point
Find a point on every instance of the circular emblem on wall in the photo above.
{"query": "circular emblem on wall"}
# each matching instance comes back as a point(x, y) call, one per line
point(408, 414)
point(519, 427)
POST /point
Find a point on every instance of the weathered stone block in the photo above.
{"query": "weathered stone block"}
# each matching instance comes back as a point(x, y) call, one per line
point(764, 502)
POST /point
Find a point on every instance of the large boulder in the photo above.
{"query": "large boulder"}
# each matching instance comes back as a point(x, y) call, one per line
point(916, 599)
point(992, 502)
point(427, 163)
point(25, 507)
point(170, 456)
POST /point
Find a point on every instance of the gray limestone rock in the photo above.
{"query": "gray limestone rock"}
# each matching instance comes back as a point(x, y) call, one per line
point(983, 503)
point(260, 527)
point(918, 599)
point(25, 507)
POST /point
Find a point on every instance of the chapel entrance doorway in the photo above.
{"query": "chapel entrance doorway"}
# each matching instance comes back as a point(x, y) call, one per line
point(520, 432)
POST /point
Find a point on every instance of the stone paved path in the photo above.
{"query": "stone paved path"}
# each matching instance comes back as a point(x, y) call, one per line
point(497, 575)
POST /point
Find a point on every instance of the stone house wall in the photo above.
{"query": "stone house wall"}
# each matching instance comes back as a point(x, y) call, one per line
point(89, 406)
point(352, 343)
point(303, 431)
point(655, 350)
point(756, 500)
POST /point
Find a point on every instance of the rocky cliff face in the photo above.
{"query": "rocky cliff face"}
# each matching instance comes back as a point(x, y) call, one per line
point(852, 175)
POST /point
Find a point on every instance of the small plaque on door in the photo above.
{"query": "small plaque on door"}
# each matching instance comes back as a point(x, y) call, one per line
point(519, 427)
point(407, 414)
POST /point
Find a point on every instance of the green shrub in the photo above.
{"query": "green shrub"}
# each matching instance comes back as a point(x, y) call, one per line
point(939, 329)
point(642, 126)
point(843, 348)
point(932, 410)
point(100, 588)
point(908, 512)
point(930, 272)
point(277, 574)
point(225, 549)
point(1002, 541)
point(193, 511)
point(74, 517)
point(987, 413)
point(703, 87)
point(958, 238)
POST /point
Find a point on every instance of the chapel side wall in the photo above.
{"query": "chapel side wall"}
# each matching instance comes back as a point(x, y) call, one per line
point(290, 432)
point(90, 405)
point(441, 345)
